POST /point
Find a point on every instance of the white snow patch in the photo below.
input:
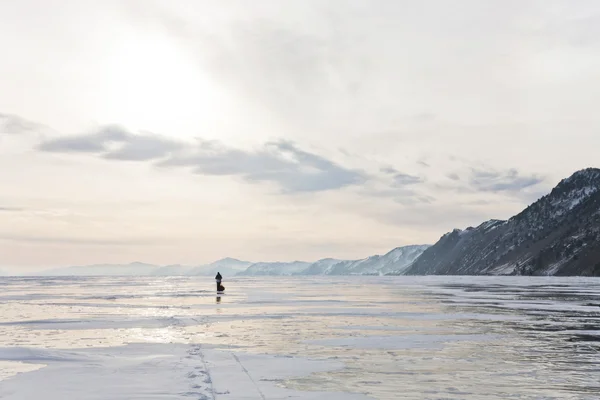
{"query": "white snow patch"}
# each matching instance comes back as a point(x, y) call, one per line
point(503, 269)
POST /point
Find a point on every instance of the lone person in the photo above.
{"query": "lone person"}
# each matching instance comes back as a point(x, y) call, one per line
point(218, 279)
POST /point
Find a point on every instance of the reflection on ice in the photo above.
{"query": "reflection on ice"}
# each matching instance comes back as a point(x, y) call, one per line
point(421, 337)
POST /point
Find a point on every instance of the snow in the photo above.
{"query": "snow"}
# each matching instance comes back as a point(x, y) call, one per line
point(395, 261)
point(275, 268)
point(313, 338)
point(572, 199)
point(503, 269)
point(580, 195)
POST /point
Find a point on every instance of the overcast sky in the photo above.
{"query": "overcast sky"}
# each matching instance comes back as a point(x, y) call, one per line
point(186, 131)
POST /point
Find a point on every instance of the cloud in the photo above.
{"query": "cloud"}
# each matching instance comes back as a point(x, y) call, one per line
point(294, 170)
point(292, 71)
point(453, 176)
point(401, 189)
point(280, 162)
point(114, 142)
point(13, 124)
point(389, 170)
point(401, 179)
point(414, 199)
point(487, 180)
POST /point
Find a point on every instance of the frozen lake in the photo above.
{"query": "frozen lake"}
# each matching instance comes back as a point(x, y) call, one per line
point(302, 338)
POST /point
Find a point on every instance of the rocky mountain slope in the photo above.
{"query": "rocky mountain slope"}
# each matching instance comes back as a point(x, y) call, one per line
point(557, 235)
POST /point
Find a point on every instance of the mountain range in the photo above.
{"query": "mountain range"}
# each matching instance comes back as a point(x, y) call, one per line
point(559, 234)
point(394, 261)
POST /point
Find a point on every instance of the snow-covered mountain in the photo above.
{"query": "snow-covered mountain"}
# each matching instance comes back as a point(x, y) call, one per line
point(275, 268)
point(226, 266)
point(557, 235)
point(394, 261)
point(321, 267)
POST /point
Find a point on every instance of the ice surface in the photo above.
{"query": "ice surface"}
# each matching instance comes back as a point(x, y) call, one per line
point(305, 338)
point(425, 341)
point(158, 371)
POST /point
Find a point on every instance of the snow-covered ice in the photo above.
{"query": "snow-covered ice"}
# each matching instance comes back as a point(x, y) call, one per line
point(296, 337)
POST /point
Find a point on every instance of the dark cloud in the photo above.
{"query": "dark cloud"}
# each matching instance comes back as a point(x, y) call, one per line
point(401, 179)
point(486, 180)
point(143, 148)
point(114, 142)
point(294, 170)
point(282, 163)
point(453, 176)
point(423, 164)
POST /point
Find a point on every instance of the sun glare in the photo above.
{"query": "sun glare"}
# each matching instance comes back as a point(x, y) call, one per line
point(151, 83)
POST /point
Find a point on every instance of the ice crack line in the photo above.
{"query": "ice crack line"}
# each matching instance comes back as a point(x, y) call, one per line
point(249, 376)
point(212, 387)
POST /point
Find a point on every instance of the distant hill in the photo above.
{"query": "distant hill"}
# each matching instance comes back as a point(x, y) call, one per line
point(275, 268)
point(557, 235)
point(226, 266)
point(321, 267)
point(394, 261)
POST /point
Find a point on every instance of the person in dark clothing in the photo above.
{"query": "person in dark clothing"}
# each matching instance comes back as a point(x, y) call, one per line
point(218, 278)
